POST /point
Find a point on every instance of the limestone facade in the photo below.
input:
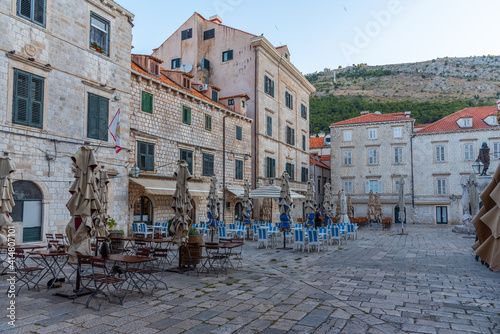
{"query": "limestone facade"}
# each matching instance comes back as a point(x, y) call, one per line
point(54, 47)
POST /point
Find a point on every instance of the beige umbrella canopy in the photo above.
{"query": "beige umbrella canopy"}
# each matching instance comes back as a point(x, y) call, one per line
point(84, 204)
point(267, 209)
point(344, 218)
point(310, 203)
point(7, 167)
point(285, 203)
point(328, 203)
point(337, 209)
point(378, 207)
point(487, 224)
point(401, 203)
point(247, 204)
point(350, 207)
point(371, 207)
point(182, 206)
point(472, 187)
point(101, 229)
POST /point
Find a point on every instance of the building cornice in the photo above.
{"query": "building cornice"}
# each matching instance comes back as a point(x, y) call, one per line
point(33, 62)
point(109, 6)
point(371, 123)
point(261, 41)
point(493, 128)
point(187, 94)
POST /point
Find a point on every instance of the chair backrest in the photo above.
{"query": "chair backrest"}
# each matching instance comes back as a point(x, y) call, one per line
point(143, 228)
point(157, 224)
point(256, 228)
point(143, 251)
point(222, 231)
point(262, 234)
point(335, 231)
point(164, 225)
point(322, 230)
point(350, 228)
point(135, 227)
point(312, 235)
point(299, 236)
point(59, 237)
point(49, 236)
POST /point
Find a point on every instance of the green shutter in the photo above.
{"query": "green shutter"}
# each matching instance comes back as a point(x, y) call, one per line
point(230, 54)
point(147, 102)
point(39, 11)
point(21, 97)
point(36, 102)
point(186, 115)
point(150, 157)
point(103, 118)
point(93, 117)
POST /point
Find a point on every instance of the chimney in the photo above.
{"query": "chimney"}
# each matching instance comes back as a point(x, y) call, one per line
point(407, 114)
point(216, 19)
point(364, 112)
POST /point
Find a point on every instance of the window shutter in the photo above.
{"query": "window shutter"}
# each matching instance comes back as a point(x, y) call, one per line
point(36, 102)
point(367, 187)
point(150, 157)
point(39, 11)
point(25, 8)
point(21, 98)
point(141, 155)
point(272, 88)
point(293, 136)
point(230, 54)
point(103, 119)
point(93, 117)
point(266, 84)
point(380, 186)
point(273, 168)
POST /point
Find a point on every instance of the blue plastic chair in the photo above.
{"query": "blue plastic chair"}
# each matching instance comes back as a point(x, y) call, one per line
point(263, 238)
point(313, 239)
point(298, 239)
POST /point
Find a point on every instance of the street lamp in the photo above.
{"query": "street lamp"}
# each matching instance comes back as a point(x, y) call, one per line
point(135, 171)
point(477, 167)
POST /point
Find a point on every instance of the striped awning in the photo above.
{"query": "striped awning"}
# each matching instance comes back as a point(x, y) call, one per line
point(167, 187)
point(272, 192)
point(237, 192)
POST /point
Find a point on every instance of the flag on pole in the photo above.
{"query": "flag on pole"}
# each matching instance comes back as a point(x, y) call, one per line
point(114, 128)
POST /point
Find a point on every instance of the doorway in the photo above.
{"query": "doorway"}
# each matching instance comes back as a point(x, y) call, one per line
point(238, 212)
point(143, 210)
point(441, 214)
point(28, 209)
point(396, 214)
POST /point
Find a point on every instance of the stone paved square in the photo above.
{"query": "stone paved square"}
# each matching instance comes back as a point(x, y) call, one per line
point(425, 282)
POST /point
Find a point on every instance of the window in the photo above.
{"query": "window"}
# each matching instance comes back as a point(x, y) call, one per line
point(230, 102)
point(396, 186)
point(304, 142)
point(215, 96)
point(441, 215)
point(372, 133)
point(468, 152)
point(208, 122)
point(146, 155)
point(186, 83)
point(208, 164)
point(347, 135)
point(398, 132)
point(268, 86)
point(99, 34)
point(373, 156)
point(186, 115)
point(208, 34)
point(269, 123)
point(348, 187)
point(187, 156)
point(467, 122)
point(28, 99)
point(304, 174)
point(97, 127)
point(154, 68)
point(290, 169)
point(243, 104)
point(147, 102)
point(238, 172)
point(441, 187)
point(374, 185)
point(186, 34)
point(290, 135)
point(303, 111)
point(32, 10)
point(496, 150)
point(347, 157)
point(440, 153)
point(398, 155)
point(205, 64)
point(270, 167)
point(319, 185)
point(175, 63)
point(288, 100)
point(227, 55)
point(239, 133)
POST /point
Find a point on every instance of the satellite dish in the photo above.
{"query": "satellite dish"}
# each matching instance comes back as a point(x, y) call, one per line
point(186, 67)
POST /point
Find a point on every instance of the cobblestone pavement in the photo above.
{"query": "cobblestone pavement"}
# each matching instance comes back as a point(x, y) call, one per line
point(425, 282)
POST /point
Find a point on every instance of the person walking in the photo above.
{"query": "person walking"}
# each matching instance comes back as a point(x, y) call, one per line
point(317, 220)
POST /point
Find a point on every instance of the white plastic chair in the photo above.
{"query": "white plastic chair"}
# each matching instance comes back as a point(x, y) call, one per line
point(298, 240)
point(263, 238)
point(313, 240)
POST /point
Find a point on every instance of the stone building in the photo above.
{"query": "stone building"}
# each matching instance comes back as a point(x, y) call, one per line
point(371, 152)
point(237, 61)
point(172, 120)
point(65, 71)
point(444, 152)
point(321, 174)
point(321, 146)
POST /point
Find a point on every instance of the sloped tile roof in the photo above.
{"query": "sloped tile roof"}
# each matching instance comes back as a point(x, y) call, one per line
point(316, 142)
point(449, 123)
point(318, 163)
point(373, 118)
point(325, 157)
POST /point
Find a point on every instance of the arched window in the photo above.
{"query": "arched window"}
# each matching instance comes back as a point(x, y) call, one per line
point(143, 210)
point(28, 209)
point(238, 212)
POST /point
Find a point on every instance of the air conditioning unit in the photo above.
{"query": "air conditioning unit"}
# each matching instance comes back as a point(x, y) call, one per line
point(202, 87)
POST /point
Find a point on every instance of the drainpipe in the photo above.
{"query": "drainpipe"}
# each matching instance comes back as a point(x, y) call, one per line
point(255, 140)
point(411, 166)
point(224, 167)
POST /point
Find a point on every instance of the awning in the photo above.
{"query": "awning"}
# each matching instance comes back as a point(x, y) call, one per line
point(167, 187)
point(272, 192)
point(237, 192)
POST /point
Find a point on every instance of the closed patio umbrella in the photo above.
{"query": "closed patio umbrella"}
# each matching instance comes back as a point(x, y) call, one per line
point(472, 187)
point(401, 204)
point(378, 208)
point(182, 206)
point(328, 203)
point(247, 206)
point(337, 208)
point(487, 224)
point(213, 207)
point(350, 207)
point(344, 218)
point(7, 167)
point(370, 213)
point(310, 203)
point(101, 229)
point(84, 204)
point(266, 210)
point(285, 206)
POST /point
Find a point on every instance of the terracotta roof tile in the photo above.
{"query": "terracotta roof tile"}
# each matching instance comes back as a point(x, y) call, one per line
point(316, 142)
point(226, 26)
point(233, 96)
point(449, 123)
point(318, 163)
point(373, 118)
point(325, 157)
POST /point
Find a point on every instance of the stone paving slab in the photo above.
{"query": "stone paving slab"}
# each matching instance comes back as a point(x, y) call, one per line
point(425, 282)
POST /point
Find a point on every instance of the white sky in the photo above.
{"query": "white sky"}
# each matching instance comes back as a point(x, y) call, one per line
point(329, 33)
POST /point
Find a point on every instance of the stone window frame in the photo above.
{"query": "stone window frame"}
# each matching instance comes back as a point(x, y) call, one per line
point(440, 187)
point(398, 132)
point(345, 132)
point(32, 18)
point(348, 190)
point(400, 161)
point(374, 132)
point(344, 152)
point(376, 162)
point(440, 157)
point(468, 156)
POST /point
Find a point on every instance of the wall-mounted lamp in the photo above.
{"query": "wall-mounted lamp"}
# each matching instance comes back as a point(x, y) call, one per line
point(453, 197)
point(135, 171)
point(478, 167)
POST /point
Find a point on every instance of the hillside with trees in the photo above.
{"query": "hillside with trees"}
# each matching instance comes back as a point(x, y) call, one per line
point(430, 90)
